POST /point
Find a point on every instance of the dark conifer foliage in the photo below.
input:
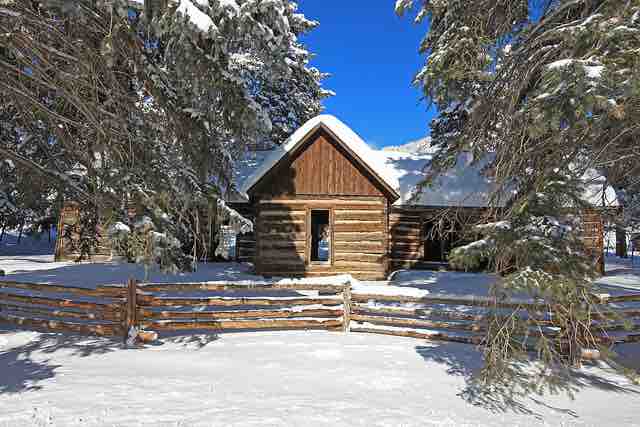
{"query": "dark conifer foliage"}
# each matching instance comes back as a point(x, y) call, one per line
point(545, 92)
point(116, 103)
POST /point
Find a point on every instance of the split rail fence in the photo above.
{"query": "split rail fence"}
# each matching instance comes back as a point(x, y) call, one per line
point(63, 308)
point(465, 319)
point(237, 307)
point(112, 310)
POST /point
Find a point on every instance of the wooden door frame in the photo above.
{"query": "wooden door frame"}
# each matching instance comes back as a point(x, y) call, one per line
point(309, 237)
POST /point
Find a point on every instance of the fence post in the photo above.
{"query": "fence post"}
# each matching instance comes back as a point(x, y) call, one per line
point(346, 295)
point(131, 307)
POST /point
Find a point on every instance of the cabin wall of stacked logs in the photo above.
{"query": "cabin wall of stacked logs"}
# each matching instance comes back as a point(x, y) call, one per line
point(358, 237)
point(408, 231)
point(68, 240)
point(245, 242)
point(282, 229)
point(593, 237)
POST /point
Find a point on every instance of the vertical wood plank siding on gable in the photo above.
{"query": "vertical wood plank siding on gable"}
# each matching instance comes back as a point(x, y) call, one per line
point(321, 167)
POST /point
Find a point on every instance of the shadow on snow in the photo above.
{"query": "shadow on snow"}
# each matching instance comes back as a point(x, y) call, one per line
point(23, 367)
point(514, 396)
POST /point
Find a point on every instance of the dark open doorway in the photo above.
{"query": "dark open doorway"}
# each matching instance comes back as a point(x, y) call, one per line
point(320, 236)
point(438, 242)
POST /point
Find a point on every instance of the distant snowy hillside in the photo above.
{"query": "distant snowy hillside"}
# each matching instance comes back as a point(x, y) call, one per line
point(420, 146)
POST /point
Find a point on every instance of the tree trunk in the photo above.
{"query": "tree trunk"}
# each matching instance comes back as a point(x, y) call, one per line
point(213, 228)
point(621, 242)
point(209, 231)
point(20, 232)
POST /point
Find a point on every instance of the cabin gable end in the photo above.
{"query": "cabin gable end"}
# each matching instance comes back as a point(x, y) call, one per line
point(320, 165)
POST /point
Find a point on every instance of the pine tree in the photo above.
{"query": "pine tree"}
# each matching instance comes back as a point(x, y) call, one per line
point(257, 86)
point(112, 106)
point(550, 96)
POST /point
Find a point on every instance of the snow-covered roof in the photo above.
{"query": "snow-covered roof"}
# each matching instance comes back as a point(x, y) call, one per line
point(464, 185)
point(460, 186)
point(370, 158)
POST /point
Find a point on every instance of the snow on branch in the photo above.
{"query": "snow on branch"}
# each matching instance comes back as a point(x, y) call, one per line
point(237, 222)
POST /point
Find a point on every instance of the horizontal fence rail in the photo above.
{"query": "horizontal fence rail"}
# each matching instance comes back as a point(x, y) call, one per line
point(222, 306)
point(465, 318)
point(146, 308)
point(63, 308)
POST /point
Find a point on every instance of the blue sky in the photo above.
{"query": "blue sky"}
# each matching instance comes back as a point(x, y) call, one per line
point(372, 55)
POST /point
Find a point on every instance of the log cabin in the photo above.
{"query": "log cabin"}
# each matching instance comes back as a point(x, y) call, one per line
point(324, 203)
point(320, 205)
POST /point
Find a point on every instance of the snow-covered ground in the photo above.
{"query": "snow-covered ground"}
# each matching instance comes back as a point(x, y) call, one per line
point(37, 244)
point(277, 378)
point(623, 275)
point(42, 269)
point(272, 379)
